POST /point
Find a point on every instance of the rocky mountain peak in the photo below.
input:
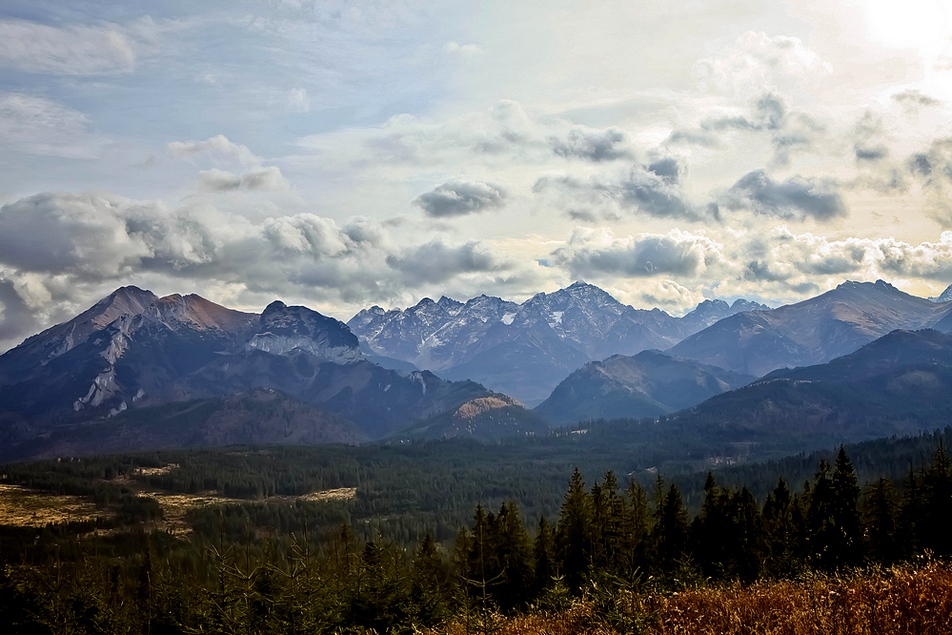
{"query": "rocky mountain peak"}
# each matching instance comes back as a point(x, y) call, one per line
point(283, 329)
point(945, 296)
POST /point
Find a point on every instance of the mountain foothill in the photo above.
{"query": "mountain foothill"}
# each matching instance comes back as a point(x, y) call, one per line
point(138, 371)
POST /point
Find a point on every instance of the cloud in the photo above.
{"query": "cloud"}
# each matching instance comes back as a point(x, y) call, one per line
point(593, 253)
point(933, 169)
point(592, 145)
point(298, 101)
point(758, 62)
point(40, 126)
point(456, 198)
point(464, 50)
point(265, 179)
point(788, 130)
point(916, 99)
point(97, 239)
point(216, 147)
point(15, 316)
point(97, 236)
point(74, 50)
point(653, 190)
point(436, 262)
point(795, 198)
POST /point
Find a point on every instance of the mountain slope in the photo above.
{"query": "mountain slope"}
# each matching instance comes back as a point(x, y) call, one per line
point(898, 384)
point(254, 417)
point(814, 331)
point(648, 384)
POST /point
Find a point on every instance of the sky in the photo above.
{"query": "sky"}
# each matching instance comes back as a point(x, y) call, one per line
point(346, 154)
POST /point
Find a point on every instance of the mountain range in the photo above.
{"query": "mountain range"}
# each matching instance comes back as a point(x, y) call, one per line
point(137, 370)
point(135, 350)
point(525, 350)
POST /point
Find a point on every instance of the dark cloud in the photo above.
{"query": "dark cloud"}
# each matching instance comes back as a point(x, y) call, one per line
point(653, 194)
point(646, 256)
point(870, 153)
point(794, 198)
point(584, 215)
point(455, 198)
point(789, 131)
point(920, 164)
point(649, 189)
point(264, 179)
point(916, 98)
point(592, 145)
point(437, 262)
point(668, 168)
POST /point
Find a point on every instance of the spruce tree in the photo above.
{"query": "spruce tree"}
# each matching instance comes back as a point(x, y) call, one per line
point(573, 535)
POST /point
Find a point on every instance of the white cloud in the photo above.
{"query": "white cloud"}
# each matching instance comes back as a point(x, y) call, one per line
point(298, 101)
point(74, 50)
point(757, 62)
point(40, 126)
point(216, 147)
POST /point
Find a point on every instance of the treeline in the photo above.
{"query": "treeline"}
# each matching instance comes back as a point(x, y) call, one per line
point(606, 537)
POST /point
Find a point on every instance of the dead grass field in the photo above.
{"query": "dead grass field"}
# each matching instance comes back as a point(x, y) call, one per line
point(903, 600)
point(23, 507)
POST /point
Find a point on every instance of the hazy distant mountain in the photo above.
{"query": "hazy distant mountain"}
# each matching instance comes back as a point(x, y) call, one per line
point(897, 384)
point(133, 350)
point(814, 331)
point(648, 384)
point(525, 349)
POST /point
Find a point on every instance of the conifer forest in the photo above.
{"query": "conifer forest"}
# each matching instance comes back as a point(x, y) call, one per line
point(606, 555)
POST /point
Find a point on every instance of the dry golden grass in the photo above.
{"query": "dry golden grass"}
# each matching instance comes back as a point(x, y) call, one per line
point(898, 601)
point(22, 507)
point(176, 506)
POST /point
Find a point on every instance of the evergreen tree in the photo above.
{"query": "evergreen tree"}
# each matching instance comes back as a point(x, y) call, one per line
point(572, 537)
point(429, 584)
point(937, 515)
point(880, 512)
point(780, 532)
point(671, 530)
point(848, 537)
point(637, 525)
point(544, 553)
point(511, 552)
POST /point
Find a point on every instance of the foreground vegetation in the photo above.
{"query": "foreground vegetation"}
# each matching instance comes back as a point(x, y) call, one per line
point(914, 599)
point(616, 559)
